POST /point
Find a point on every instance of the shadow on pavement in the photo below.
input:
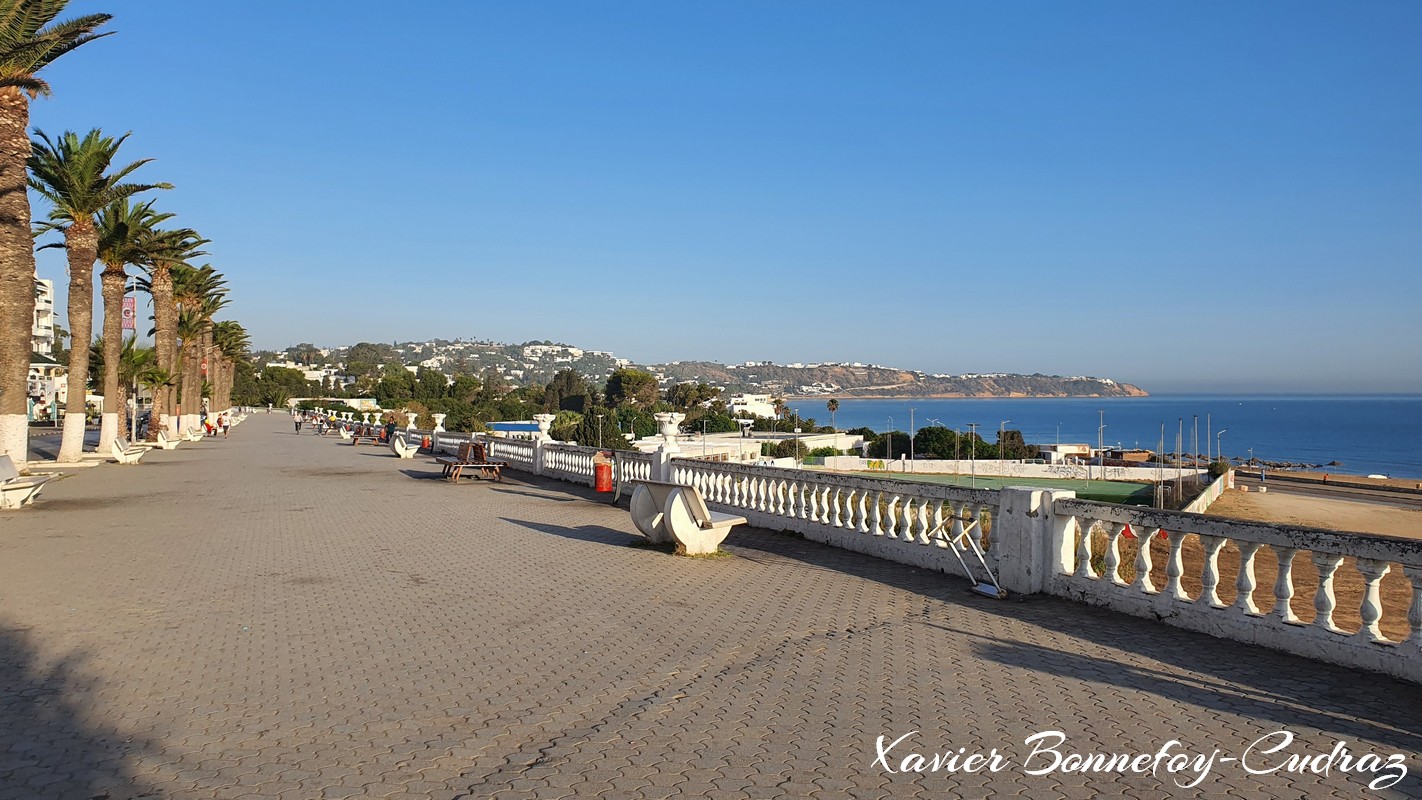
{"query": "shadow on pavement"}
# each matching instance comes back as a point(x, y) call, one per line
point(48, 745)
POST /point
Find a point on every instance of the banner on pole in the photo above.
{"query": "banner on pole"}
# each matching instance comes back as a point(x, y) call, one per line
point(130, 313)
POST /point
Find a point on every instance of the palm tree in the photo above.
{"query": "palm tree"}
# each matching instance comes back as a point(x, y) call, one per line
point(73, 174)
point(124, 231)
point(779, 405)
point(200, 293)
point(167, 250)
point(30, 40)
point(231, 343)
point(133, 367)
point(833, 406)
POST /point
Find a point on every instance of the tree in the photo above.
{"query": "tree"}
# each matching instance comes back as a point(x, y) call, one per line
point(123, 231)
point(631, 387)
point(890, 445)
point(1011, 445)
point(74, 175)
point(568, 391)
point(833, 406)
point(396, 388)
point(30, 40)
point(199, 293)
point(167, 250)
point(430, 384)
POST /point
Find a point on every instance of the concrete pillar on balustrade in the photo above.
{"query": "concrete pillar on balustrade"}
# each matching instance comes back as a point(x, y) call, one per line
point(1032, 544)
point(545, 423)
point(410, 417)
point(667, 424)
point(439, 422)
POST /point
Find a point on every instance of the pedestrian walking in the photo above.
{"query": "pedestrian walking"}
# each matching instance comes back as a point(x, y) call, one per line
point(297, 419)
point(224, 423)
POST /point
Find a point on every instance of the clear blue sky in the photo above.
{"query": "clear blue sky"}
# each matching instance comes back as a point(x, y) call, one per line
point(1191, 196)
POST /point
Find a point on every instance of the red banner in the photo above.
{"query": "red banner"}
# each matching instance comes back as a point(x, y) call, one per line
point(130, 313)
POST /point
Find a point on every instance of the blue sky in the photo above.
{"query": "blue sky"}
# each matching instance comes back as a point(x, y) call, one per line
point(1193, 197)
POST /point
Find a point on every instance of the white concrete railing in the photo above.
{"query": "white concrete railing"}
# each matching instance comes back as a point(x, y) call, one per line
point(633, 466)
point(993, 468)
point(519, 453)
point(902, 521)
point(1087, 533)
point(570, 462)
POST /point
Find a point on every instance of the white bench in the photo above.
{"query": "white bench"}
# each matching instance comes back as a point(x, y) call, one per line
point(345, 433)
point(402, 447)
point(192, 435)
point(123, 453)
point(667, 512)
point(17, 490)
point(166, 443)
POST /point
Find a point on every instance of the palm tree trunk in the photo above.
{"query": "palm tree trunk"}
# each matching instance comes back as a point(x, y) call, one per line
point(111, 284)
point(17, 276)
point(192, 385)
point(81, 243)
point(165, 340)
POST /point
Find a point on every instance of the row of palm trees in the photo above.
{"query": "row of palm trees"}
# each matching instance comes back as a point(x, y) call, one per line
point(93, 206)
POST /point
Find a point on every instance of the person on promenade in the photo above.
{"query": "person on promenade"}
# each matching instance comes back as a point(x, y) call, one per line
point(389, 431)
point(224, 423)
point(297, 419)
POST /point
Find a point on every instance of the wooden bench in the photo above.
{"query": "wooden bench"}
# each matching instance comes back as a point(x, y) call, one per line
point(17, 490)
point(123, 453)
point(472, 457)
point(673, 512)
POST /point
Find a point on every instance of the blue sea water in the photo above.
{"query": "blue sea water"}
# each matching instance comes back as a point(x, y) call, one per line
point(1368, 434)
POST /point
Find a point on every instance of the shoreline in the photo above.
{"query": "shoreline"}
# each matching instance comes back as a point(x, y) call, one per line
point(789, 397)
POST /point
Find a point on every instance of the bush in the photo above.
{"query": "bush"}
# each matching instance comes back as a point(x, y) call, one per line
point(1219, 468)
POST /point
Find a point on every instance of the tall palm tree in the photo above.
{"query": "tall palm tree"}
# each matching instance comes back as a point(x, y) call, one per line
point(833, 406)
point(200, 293)
point(124, 230)
point(73, 174)
point(133, 367)
point(30, 40)
point(231, 342)
point(167, 250)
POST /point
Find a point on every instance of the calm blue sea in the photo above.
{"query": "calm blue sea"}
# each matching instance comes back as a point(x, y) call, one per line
point(1369, 434)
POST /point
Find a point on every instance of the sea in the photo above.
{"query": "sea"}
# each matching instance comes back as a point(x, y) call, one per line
point(1373, 434)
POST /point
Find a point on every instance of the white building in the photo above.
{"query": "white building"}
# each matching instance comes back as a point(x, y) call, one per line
point(757, 405)
point(42, 332)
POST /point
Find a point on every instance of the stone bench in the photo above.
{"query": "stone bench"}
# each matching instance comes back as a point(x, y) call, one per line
point(672, 512)
point(402, 447)
point(17, 490)
point(123, 453)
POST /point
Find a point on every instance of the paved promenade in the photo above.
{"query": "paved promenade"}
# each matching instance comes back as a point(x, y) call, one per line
point(284, 616)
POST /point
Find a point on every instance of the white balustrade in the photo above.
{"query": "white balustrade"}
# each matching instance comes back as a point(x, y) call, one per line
point(1352, 636)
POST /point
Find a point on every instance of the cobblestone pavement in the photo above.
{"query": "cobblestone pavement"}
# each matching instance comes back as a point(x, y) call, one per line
point(289, 616)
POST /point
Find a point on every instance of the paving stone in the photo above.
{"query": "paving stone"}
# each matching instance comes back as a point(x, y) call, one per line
point(289, 617)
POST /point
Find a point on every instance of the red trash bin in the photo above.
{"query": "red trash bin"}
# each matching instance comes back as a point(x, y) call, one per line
point(602, 477)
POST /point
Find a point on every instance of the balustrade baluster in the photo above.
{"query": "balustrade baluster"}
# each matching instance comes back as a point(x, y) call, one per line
point(960, 511)
point(1245, 584)
point(1371, 608)
point(878, 527)
point(825, 492)
point(1174, 565)
point(1210, 574)
point(1113, 553)
point(1414, 610)
point(907, 514)
point(920, 522)
point(1144, 563)
point(837, 518)
point(1323, 601)
point(1284, 585)
point(1083, 553)
point(895, 517)
point(863, 512)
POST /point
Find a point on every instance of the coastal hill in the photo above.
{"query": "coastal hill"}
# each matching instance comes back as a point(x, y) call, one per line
point(535, 363)
point(869, 380)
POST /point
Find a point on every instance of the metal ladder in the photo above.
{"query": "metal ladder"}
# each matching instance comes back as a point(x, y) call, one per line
point(965, 543)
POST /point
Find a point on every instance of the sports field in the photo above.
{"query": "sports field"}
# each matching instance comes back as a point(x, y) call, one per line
point(1138, 494)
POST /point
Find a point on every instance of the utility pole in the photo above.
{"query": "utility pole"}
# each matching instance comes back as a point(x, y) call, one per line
point(910, 440)
point(973, 459)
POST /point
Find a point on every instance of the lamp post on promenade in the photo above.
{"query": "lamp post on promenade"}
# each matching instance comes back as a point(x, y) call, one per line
point(1219, 448)
point(599, 431)
point(1001, 432)
point(888, 442)
point(910, 440)
point(973, 452)
point(1100, 445)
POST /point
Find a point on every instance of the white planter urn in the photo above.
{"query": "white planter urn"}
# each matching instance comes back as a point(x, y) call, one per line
point(668, 422)
point(411, 416)
point(545, 422)
point(439, 422)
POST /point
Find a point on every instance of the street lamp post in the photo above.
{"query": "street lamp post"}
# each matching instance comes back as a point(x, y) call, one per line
point(1219, 448)
point(599, 431)
point(888, 442)
point(1100, 446)
point(973, 452)
point(910, 440)
point(1001, 431)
